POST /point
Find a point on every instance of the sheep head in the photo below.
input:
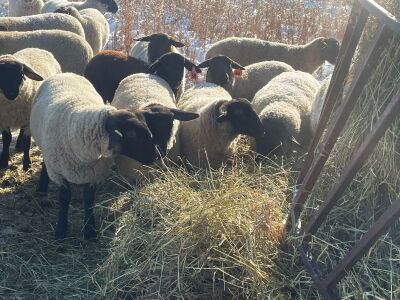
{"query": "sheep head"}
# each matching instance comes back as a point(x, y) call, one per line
point(159, 44)
point(12, 76)
point(221, 71)
point(129, 135)
point(242, 117)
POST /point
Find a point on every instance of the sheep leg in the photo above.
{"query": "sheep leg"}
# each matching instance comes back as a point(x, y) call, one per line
point(89, 228)
point(64, 197)
point(19, 146)
point(26, 164)
point(5, 154)
point(44, 180)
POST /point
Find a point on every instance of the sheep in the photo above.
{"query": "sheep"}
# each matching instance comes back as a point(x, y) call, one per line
point(106, 70)
point(318, 104)
point(210, 139)
point(283, 106)
point(147, 91)
point(150, 48)
point(20, 76)
point(42, 22)
point(79, 136)
point(19, 8)
point(70, 50)
point(306, 58)
point(242, 84)
point(94, 24)
point(102, 6)
point(221, 71)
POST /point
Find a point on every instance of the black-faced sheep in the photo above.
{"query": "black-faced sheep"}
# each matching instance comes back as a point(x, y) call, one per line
point(306, 58)
point(20, 77)
point(283, 106)
point(79, 136)
point(210, 139)
point(107, 69)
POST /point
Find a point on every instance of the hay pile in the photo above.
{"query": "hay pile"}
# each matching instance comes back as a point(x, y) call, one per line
point(198, 236)
point(376, 186)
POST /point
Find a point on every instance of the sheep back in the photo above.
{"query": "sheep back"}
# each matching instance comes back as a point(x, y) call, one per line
point(68, 124)
point(43, 22)
point(71, 51)
point(256, 76)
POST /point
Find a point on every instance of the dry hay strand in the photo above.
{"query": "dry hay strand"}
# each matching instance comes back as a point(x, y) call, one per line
point(374, 188)
point(201, 235)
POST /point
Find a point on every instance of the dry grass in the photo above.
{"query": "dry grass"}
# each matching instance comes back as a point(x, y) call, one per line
point(201, 23)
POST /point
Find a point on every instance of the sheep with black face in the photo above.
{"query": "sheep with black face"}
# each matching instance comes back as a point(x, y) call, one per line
point(306, 58)
point(79, 136)
point(20, 77)
point(284, 106)
point(142, 91)
point(210, 139)
point(107, 69)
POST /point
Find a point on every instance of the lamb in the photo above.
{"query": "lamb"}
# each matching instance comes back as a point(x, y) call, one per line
point(19, 8)
point(42, 22)
point(147, 91)
point(71, 51)
point(210, 139)
point(102, 6)
point(242, 84)
point(106, 70)
point(94, 24)
point(20, 76)
point(318, 104)
point(306, 58)
point(79, 136)
point(284, 106)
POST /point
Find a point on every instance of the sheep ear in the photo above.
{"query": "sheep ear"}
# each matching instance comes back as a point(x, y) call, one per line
point(184, 115)
point(176, 43)
point(189, 66)
point(235, 65)
point(222, 117)
point(28, 72)
point(205, 64)
point(143, 39)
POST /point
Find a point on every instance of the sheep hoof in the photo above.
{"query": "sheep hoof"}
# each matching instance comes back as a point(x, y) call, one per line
point(89, 233)
point(61, 233)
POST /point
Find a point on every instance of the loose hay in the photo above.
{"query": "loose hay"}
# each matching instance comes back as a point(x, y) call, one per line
point(206, 235)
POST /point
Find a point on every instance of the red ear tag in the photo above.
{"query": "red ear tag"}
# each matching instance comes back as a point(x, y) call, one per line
point(192, 75)
point(237, 72)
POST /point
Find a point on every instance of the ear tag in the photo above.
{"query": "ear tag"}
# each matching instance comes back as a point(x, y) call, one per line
point(118, 132)
point(237, 72)
point(192, 75)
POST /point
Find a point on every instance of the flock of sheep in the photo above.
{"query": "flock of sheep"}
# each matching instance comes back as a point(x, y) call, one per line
point(89, 109)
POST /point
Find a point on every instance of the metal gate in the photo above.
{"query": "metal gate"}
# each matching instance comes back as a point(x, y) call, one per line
point(388, 27)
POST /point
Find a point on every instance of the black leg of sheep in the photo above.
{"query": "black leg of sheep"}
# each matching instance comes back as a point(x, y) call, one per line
point(19, 145)
point(26, 164)
point(89, 229)
point(64, 197)
point(43, 180)
point(5, 154)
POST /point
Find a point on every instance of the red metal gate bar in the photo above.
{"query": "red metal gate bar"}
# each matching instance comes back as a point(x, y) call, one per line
point(370, 61)
point(389, 115)
point(354, 29)
point(365, 243)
